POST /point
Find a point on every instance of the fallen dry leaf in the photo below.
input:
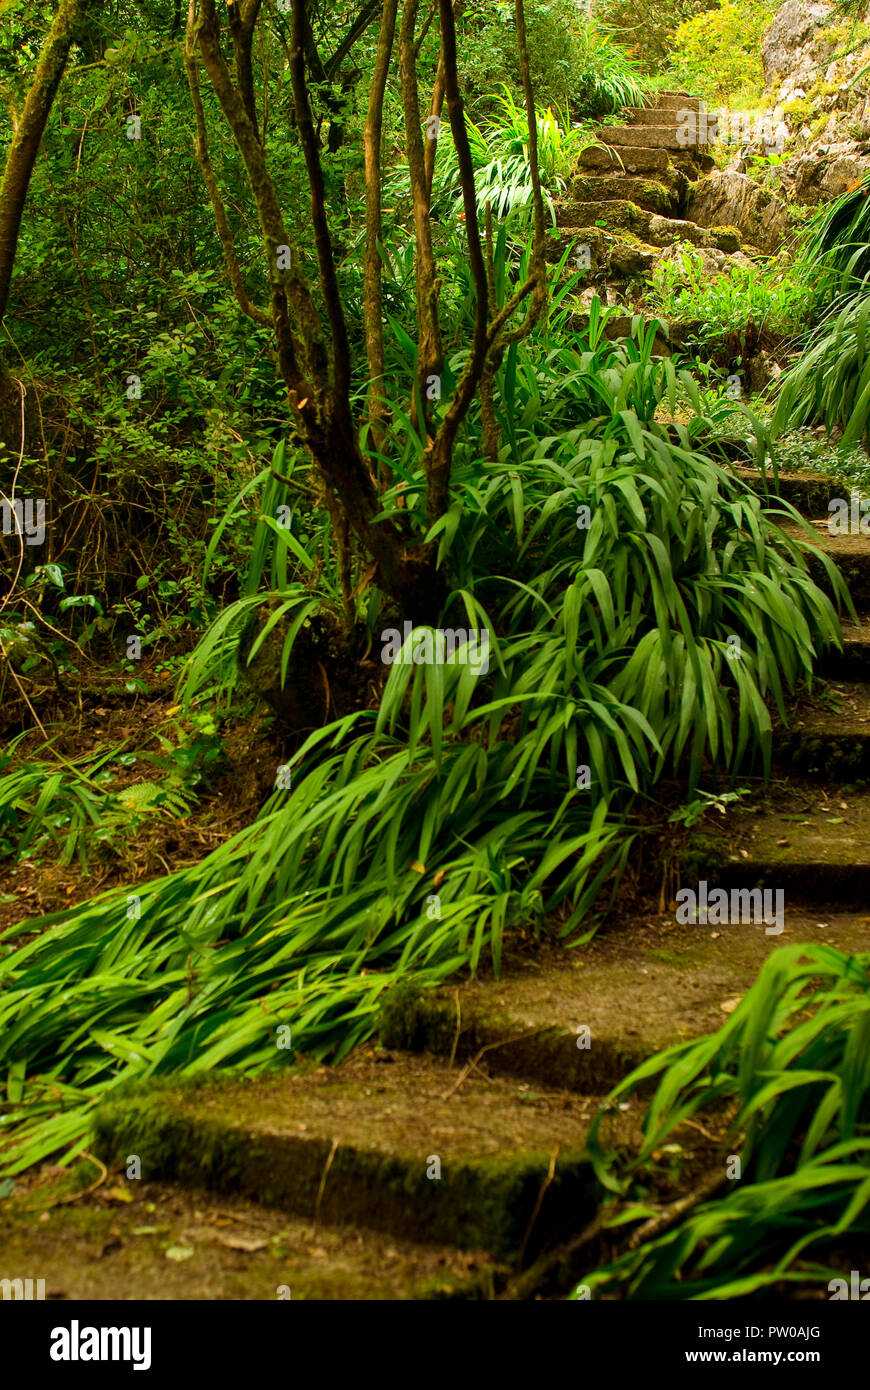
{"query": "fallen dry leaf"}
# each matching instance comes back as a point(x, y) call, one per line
point(179, 1253)
point(241, 1243)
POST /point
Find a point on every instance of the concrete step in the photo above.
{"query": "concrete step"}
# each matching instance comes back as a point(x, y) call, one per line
point(363, 1142)
point(149, 1240)
point(646, 984)
point(644, 193)
point(617, 215)
point(660, 137)
point(810, 841)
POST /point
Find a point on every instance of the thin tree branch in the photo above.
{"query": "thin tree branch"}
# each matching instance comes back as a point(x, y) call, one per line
point(322, 239)
point(430, 353)
point(200, 142)
point(373, 297)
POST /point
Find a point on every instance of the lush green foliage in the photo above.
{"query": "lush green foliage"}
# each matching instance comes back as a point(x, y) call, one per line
point(792, 1064)
point(717, 53)
point(727, 307)
point(608, 649)
point(836, 254)
point(576, 60)
point(831, 379)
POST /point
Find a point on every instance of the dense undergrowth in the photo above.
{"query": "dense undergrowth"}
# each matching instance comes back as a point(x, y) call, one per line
point(791, 1070)
point(610, 559)
point(646, 615)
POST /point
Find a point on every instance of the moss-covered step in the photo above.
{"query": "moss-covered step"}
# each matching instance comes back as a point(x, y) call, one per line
point(659, 137)
point(596, 238)
point(619, 215)
point(646, 984)
point(135, 1239)
point(809, 840)
point(828, 732)
point(808, 492)
point(663, 198)
point(638, 160)
point(397, 1143)
point(664, 231)
point(850, 553)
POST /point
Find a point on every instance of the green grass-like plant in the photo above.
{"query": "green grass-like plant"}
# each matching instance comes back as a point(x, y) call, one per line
point(792, 1066)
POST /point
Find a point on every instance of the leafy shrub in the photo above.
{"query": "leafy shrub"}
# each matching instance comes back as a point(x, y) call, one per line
point(717, 54)
point(647, 27)
point(831, 380)
point(836, 252)
point(728, 306)
point(575, 60)
point(500, 153)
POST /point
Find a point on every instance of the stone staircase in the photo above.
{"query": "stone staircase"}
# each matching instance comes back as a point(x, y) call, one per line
point(443, 1157)
point(628, 194)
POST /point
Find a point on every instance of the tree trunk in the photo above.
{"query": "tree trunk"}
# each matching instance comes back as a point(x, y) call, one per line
point(28, 137)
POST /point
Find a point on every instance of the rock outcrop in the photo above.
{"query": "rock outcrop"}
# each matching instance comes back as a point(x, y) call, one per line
point(789, 48)
point(727, 197)
point(817, 71)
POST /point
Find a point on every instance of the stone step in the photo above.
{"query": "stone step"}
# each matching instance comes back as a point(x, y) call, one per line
point(828, 734)
point(808, 492)
point(618, 215)
point(809, 841)
point(644, 193)
point(661, 137)
point(150, 1240)
point(646, 984)
point(676, 101)
point(362, 1142)
point(633, 160)
point(656, 115)
point(850, 553)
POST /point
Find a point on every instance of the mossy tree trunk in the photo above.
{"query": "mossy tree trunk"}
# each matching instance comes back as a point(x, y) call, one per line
point(27, 137)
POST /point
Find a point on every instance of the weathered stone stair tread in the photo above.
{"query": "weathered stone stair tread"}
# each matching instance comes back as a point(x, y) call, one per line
point(809, 492)
point(661, 137)
point(653, 115)
point(641, 987)
point(616, 214)
point(644, 193)
point(851, 554)
point(633, 160)
point(675, 101)
point(846, 545)
point(800, 838)
point(353, 1143)
point(104, 1248)
point(829, 731)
